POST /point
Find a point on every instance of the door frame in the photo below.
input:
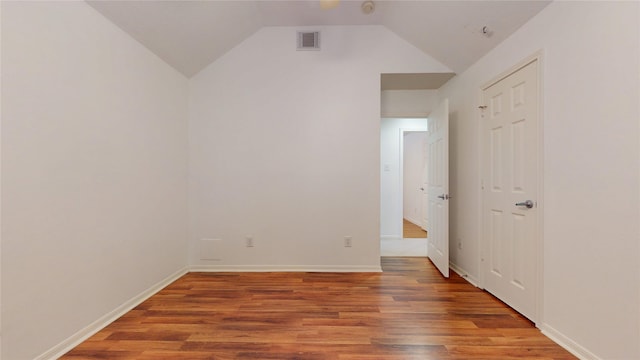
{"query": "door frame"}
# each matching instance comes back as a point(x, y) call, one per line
point(538, 236)
point(401, 168)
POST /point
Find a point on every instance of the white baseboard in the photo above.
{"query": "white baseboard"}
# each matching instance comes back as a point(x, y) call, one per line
point(465, 275)
point(80, 336)
point(571, 346)
point(553, 334)
point(284, 268)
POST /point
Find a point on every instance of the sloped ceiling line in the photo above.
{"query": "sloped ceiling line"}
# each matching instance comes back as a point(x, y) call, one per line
point(189, 35)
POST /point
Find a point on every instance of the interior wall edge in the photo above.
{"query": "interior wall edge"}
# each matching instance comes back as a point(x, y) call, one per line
point(100, 323)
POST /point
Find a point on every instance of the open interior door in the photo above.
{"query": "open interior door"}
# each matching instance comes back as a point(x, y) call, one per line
point(438, 187)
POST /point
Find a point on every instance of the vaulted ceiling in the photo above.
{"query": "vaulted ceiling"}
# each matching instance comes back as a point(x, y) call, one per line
point(189, 35)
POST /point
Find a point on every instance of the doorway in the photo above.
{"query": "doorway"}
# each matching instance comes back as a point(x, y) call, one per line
point(392, 155)
point(414, 171)
point(407, 99)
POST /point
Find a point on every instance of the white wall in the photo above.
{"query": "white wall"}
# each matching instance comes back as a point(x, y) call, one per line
point(94, 148)
point(284, 147)
point(0, 182)
point(390, 189)
point(591, 169)
point(407, 103)
point(413, 167)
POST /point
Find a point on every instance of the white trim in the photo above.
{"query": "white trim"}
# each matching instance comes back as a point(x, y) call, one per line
point(539, 261)
point(0, 196)
point(537, 56)
point(568, 344)
point(480, 213)
point(284, 268)
point(91, 329)
point(540, 202)
point(390, 237)
point(464, 274)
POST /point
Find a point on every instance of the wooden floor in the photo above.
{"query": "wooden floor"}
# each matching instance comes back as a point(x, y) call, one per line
point(407, 312)
point(412, 231)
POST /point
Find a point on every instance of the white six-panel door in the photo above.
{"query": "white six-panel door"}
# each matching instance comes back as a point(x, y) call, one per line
point(510, 166)
point(438, 188)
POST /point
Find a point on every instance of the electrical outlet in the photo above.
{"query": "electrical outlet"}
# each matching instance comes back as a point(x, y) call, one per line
point(249, 241)
point(347, 241)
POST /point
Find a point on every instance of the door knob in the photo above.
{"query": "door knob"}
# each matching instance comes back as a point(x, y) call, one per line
point(528, 204)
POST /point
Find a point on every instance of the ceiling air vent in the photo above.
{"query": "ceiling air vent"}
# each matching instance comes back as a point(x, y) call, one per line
point(308, 40)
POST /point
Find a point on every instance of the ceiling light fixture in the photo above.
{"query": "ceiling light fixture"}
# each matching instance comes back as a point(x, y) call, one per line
point(328, 4)
point(368, 7)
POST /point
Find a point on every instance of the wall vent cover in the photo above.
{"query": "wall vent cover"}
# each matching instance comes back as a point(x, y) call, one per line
point(308, 40)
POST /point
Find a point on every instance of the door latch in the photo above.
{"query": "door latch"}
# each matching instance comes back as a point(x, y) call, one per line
point(528, 204)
